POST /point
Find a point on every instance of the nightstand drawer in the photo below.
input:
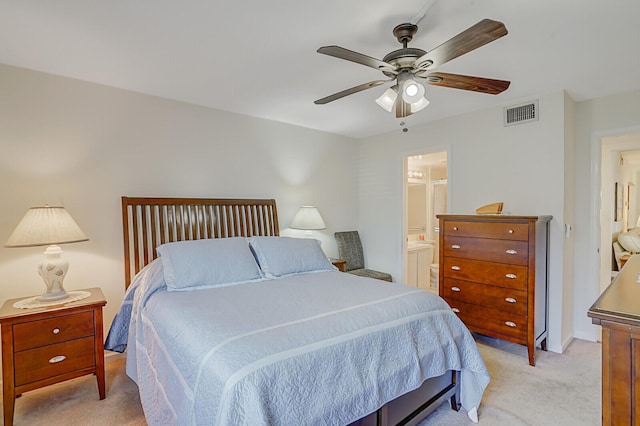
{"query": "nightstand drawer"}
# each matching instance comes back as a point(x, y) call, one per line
point(48, 361)
point(34, 334)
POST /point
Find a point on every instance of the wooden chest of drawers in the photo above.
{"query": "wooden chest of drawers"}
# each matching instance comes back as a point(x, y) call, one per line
point(493, 274)
point(43, 346)
point(618, 312)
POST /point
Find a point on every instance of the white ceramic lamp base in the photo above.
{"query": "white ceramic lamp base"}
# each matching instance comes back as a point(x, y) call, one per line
point(53, 270)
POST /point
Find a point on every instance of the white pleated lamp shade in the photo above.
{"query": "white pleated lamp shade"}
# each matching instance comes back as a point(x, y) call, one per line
point(308, 218)
point(43, 226)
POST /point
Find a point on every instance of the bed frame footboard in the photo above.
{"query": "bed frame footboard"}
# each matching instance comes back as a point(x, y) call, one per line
point(410, 408)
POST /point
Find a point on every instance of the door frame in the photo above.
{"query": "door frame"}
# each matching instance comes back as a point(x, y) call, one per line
point(405, 169)
point(600, 233)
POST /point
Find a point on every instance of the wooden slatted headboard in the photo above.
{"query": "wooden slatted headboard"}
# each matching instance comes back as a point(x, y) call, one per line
point(150, 222)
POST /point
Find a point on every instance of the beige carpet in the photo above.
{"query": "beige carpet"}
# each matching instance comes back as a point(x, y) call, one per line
point(560, 390)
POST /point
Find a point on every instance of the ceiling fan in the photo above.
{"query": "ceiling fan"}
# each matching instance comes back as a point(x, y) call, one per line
point(409, 67)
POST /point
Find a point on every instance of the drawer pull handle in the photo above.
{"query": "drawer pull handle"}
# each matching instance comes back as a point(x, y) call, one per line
point(510, 299)
point(511, 276)
point(455, 268)
point(511, 231)
point(455, 246)
point(510, 324)
point(57, 359)
point(512, 252)
point(455, 228)
point(456, 310)
point(56, 330)
point(455, 289)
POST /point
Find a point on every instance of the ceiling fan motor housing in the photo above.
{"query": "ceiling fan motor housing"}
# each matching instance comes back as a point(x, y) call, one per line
point(402, 58)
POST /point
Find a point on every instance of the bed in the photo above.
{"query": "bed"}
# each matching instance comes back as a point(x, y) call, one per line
point(225, 322)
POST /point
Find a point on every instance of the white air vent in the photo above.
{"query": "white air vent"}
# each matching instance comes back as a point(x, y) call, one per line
point(519, 114)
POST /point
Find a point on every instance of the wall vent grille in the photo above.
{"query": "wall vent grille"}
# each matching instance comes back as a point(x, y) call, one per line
point(519, 114)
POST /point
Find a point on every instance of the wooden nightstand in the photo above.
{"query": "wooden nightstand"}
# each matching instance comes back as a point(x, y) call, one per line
point(339, 263)
point(43, 346)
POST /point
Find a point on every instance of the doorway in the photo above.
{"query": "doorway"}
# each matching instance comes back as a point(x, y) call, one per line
point(619, 189)
point(425, 196)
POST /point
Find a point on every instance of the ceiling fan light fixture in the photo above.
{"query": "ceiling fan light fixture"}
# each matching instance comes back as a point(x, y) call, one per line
point(412, 91)
point(421, 104)
point(388, 99)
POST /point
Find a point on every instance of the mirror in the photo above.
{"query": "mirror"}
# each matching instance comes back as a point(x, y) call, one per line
point(417, 208)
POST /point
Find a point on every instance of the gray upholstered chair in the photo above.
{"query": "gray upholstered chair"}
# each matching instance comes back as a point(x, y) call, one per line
point(350, 249)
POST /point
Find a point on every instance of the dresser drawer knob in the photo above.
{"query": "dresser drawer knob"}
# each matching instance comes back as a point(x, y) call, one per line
point(510, 324)
point(511, 231)
point(512, 252)
point(457, 289)
point(57, 359)
point(511, 276)
point(455, 228)
point(455, 268)
point(455, 246)
point(56, 331)
point(510, 299)
point(456, 310)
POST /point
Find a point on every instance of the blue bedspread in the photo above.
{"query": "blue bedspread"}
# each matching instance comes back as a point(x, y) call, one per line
point(317, 348)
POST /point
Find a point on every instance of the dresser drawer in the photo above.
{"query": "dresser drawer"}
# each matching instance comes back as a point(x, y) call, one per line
point(501, 298)
point(510, 276)
point(33, 334)
point(493, 230)
point(502, 251)
point(482, 318)
point(40, 363)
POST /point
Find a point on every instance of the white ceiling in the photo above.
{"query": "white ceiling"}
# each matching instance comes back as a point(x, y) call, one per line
point(259, 57)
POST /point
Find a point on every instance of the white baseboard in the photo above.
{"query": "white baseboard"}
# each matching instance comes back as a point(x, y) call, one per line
point(566, 344)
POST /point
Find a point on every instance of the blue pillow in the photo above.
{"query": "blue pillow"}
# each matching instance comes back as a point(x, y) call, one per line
point(190, 265)
point(279, 256)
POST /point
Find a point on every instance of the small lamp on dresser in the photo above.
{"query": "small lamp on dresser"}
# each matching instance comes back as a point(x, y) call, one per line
point(48, 226)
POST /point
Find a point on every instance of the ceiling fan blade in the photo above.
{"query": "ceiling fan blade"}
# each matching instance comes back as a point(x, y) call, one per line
point(350, 91)
point(472, 38)
point(359, 58)
point(465, 82)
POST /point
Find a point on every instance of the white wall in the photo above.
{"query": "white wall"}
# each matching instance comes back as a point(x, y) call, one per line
point(595, 119)
point(83, 145)
point(523, 166)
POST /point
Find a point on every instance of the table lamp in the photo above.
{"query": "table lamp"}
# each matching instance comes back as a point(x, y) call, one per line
point(308, 219)
point(48, 226)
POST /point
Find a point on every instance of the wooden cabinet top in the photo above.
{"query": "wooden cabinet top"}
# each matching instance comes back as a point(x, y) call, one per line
point(619, 301)
point(8, 312)
point(495, 217)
